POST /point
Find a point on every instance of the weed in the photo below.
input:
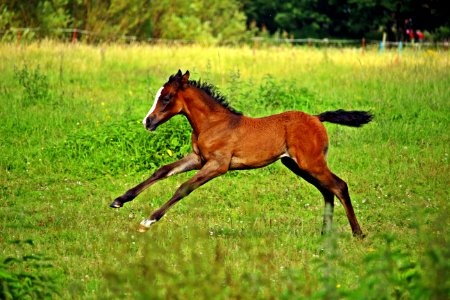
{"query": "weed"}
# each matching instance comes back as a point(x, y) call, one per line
point(29, 276)
point(36, 88)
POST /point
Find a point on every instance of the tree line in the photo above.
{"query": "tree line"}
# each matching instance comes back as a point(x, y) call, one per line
point(226, 21)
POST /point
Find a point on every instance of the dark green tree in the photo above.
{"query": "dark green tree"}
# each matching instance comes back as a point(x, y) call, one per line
point(224, 20)
point(346, 18)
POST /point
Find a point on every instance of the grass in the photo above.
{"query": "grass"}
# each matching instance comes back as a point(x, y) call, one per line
point(71, 141)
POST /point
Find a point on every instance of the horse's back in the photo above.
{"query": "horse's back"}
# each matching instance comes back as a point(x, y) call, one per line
point(288, 126)
point(304, 134)
point(261, 141)
point(295, 123)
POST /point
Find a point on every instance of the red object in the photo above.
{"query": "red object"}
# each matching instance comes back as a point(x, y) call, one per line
point(411, 34)
point(19, 37)
point(419, 35)
point(74, 36)
point(363, 43)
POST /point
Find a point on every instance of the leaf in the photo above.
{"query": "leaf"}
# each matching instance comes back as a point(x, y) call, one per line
point(10, 260)
point(5, 276)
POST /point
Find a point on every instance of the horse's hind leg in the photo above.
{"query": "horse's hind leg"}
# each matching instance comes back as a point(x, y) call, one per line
point(340, 189)
point(328, 183)
point(328, 195)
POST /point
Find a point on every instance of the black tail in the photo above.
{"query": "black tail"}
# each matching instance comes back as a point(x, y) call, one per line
point(353, 118)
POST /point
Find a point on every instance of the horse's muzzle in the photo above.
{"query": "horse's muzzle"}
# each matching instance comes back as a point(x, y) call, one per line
point(151, 123)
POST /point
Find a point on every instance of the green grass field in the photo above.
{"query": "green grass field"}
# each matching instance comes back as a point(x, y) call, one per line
point(72, 141)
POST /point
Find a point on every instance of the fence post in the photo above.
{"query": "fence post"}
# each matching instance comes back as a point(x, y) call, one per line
point(363, 43)
point(19, 37)
point(383, 42)
point(74, 36)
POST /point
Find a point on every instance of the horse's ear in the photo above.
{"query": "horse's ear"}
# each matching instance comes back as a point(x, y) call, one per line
point(185, 78)
point(176, 77)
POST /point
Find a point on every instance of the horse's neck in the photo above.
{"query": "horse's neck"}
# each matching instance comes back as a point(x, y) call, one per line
point(202, 111)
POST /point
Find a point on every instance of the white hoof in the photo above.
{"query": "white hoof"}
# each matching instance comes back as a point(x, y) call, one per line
point(145, 225)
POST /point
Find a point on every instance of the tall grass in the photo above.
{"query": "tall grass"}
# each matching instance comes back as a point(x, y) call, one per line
point(71, 141)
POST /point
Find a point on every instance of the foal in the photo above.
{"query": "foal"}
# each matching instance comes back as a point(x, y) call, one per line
point(223, 140)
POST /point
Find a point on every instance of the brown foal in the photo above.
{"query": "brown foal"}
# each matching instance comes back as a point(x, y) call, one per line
point(223, 140)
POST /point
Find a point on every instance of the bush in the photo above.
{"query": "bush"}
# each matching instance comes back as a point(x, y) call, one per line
point(29, 276)
point(35, 85)
point(441, 34)
point(124, 146)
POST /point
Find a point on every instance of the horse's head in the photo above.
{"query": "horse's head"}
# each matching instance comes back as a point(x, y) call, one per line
point(168, 101)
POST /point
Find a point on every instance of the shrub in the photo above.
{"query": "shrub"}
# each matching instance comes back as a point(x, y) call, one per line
point(29, 276)
point(35, 85)
point(123, 146)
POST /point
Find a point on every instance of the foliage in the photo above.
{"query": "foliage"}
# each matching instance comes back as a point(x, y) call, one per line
point(192, 20)
point(29, 276)
point(35, 85)
point(198, 20)
point(388, 273)
point(345, 18)
point(123, 146)
point(110, 20)
point(222, 21)
point(442, 33)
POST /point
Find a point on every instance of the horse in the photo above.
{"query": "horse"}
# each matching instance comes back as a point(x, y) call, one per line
point(223, 139)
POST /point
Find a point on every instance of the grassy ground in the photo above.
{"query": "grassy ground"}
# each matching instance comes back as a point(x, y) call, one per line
point(71, 141)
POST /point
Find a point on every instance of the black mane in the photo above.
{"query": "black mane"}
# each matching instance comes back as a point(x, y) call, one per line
point(212, 91)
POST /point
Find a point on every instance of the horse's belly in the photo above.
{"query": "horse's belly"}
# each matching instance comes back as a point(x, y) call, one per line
point(253, 161)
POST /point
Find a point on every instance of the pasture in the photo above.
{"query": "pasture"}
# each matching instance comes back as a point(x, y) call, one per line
point(72, 140)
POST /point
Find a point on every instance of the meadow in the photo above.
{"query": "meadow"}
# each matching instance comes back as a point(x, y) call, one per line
point(72, 141)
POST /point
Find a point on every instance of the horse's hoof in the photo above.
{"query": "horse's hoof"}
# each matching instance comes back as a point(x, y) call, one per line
point(142, 228)
point(145, 225)
point(359, 235)
point(116, 204)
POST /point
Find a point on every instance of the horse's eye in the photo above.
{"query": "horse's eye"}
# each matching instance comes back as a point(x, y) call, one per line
point(165, 99)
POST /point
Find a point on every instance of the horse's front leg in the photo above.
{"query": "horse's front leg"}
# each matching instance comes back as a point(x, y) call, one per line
point(209, 171)
point(190, 162)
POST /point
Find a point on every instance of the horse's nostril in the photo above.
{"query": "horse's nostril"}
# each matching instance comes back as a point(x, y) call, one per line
point(149, 122)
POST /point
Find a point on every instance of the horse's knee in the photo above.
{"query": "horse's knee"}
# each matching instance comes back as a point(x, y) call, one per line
point(343, 187)
point(161, 172)
point(340, 185)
